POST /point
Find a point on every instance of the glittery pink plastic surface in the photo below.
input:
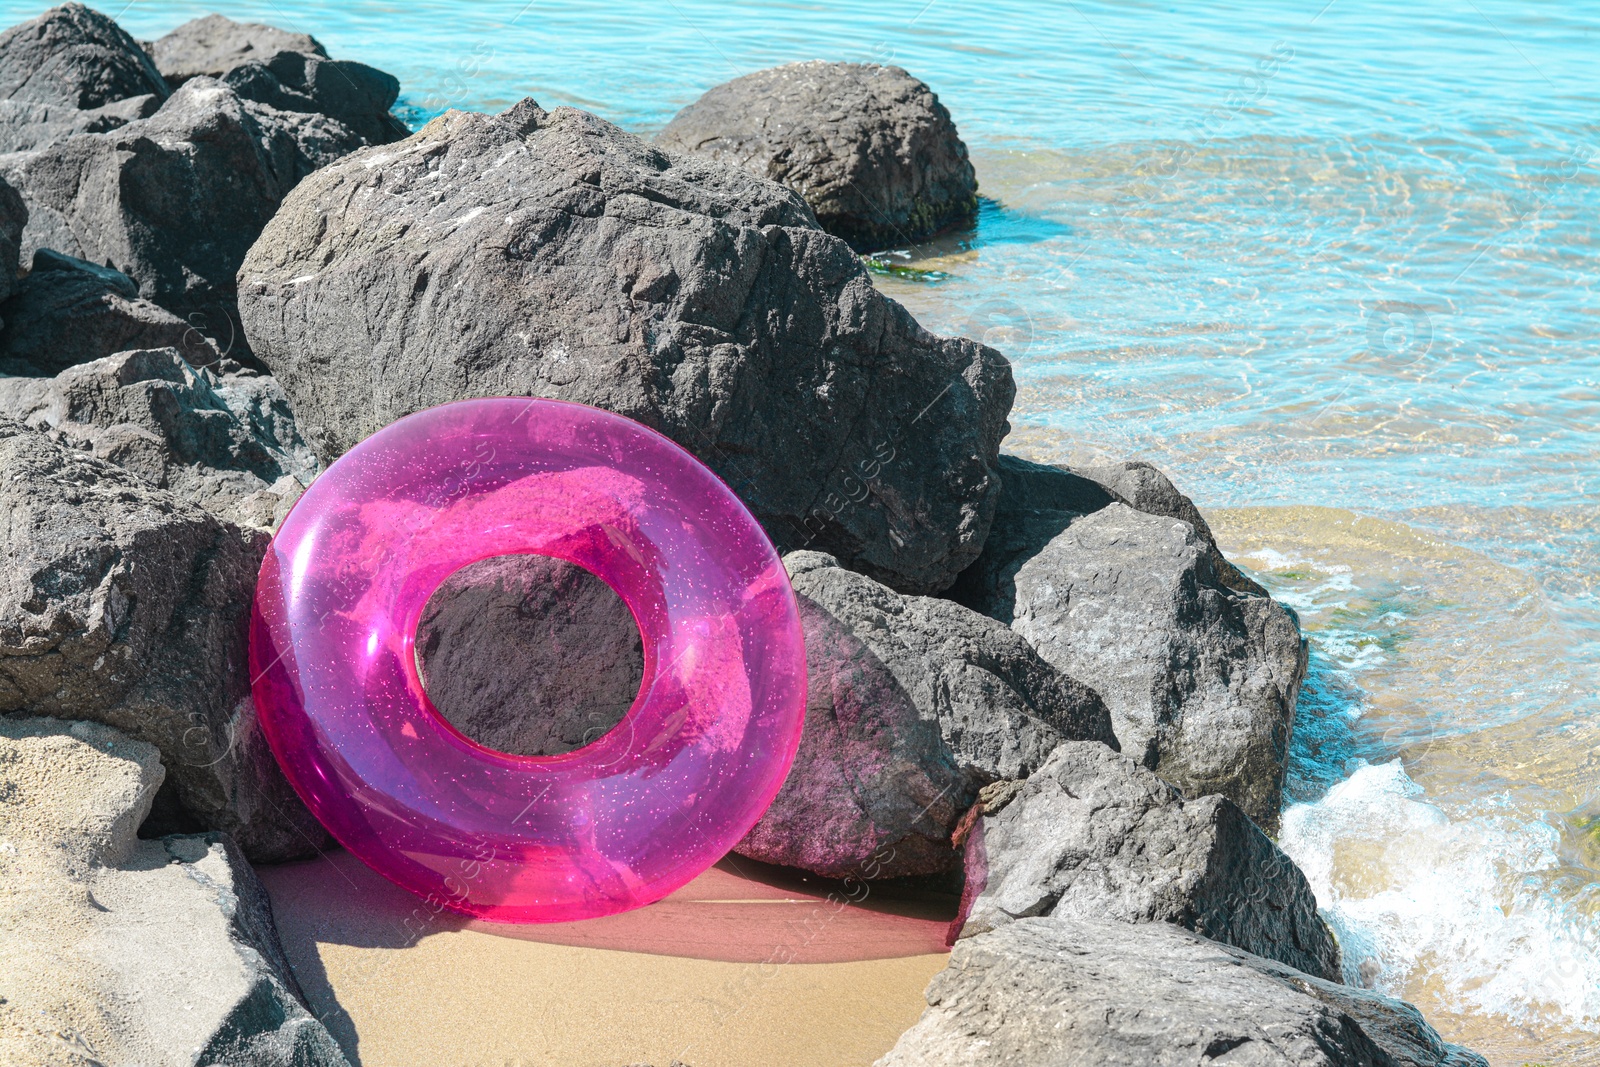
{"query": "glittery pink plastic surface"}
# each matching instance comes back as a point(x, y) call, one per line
point(616, 824)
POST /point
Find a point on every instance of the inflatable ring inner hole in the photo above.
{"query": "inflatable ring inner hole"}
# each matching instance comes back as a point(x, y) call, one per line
point(529, 655)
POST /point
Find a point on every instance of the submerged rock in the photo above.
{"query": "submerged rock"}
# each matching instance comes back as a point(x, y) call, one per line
point(555, 255)
point(870, 148)
point(148, 952)
point(226, 442)
point(1201, 679)
point(1080, 991)
point(68, 311)
point(290, 71)
point(122, 604)
point(913, 704)
point(1091, 834)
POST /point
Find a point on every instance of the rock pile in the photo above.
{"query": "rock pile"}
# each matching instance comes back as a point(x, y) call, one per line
point(169, 186)
point(237, 266)
point(553, 254)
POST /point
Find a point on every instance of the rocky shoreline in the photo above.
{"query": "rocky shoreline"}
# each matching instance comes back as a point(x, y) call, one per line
point(223, 262)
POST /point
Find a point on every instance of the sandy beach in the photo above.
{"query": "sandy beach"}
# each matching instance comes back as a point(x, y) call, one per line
point(696, 977)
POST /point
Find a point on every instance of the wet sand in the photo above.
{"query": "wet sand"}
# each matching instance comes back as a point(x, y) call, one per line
point(745, 965)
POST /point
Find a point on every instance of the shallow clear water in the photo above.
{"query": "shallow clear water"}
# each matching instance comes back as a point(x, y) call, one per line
point(1325, 261)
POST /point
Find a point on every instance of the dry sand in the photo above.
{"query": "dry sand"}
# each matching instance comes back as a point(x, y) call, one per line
point(744, 966)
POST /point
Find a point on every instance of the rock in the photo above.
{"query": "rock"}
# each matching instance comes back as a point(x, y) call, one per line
point(1079, 991)
point(76, 57)
point(122, 604)
point(869, 147)
point(174, 201)
point(68, 311)
point(1201, 679)
point(529, 655)
point(13, 217)
point(226, 442)
point(117, 950)
point(290, 71)
point(913, 704)
point(71, 70)
point(1091, 834)
point(214, 45)
point(1144, 488)
point(555, 255)
point(26, 125)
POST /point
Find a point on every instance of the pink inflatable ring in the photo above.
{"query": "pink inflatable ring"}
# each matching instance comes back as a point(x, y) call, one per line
point(614, 825)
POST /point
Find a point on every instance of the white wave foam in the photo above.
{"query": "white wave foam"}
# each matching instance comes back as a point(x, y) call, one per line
point(1468, 905)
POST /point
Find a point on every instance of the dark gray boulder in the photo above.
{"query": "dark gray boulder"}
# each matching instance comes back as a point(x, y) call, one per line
point(913, 704)
point(174, 201)
point(555, 255)
point(1201, 679)
point(869, 147)
point(125, 605)
point(77, 57)
point(145, 951)
point(13, 217)
point(69, 311)
point(26, 125)
point(71, 70)
point(225, 441)
point(529, 655)
point(1080, 991)
point(1091, 834)
point(215, 44)
point(290, 71)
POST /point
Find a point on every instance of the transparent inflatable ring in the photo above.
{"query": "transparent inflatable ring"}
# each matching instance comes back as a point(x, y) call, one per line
point(614, 825)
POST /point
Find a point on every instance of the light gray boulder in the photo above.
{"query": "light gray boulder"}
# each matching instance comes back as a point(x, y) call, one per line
point(69, 311)
point(552, 254)
point(1201, 679)
point(1081, 991)
point(290, 71)
point(224, 441)
point(529, 655)
point(913, 704)
point(122, 604)
point(869, 147)
point(175, 200)
point(1091, 834)
point(122, 951)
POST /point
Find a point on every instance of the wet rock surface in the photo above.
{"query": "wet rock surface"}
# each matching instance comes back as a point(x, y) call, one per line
point(870, 148)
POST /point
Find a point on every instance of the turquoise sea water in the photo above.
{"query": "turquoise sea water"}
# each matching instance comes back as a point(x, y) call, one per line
point(1318, 261)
